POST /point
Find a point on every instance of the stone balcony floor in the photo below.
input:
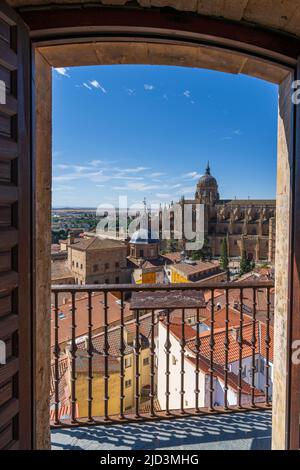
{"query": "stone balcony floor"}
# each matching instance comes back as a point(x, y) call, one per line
point(235, 431)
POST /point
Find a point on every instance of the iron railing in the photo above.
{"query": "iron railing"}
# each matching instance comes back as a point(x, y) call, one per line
point(219, 351)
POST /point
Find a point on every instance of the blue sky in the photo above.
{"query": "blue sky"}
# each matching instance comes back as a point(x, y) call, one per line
point(148, 131)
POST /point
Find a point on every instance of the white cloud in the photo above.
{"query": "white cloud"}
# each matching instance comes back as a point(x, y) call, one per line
point(63, 187)
point(148, 87)
point(187, 190)
point(137, 169)
point(238, 132)
point(130, 91)
point(96, 84)
point(87, 86)
point(136, 187)
point(192, 175)
point(96, 162)
point(156, 174)
point(62, 166)
point(62, 71)
point(187, 93)
point(163, 195)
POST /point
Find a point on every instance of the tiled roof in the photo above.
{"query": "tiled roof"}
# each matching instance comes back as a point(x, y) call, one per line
point(163, 299)
point(176, 330)
point(63, 384)
point(114, 338)
point(220, 317)
point(82, 362)
point(233, 354)
point(95, 243)
point(81, 315)
point(218, 371)
point(60, 270)
point(175, 257)
point(195, 268)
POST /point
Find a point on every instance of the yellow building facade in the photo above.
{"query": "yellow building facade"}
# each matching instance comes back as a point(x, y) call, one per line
point(114, 386)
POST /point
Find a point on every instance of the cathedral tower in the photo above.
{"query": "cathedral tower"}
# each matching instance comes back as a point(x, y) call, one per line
point(207, 189)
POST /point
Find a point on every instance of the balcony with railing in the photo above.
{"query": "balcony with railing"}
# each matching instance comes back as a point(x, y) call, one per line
point(136, 357)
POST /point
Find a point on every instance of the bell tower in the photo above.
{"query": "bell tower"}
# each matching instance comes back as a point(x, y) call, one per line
point(207, 189)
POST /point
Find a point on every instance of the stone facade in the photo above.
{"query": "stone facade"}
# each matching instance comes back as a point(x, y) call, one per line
point(246, 224)
point(98, 261)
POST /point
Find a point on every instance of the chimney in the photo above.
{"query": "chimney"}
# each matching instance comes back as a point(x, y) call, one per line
point(235, 333)
point(71, 238)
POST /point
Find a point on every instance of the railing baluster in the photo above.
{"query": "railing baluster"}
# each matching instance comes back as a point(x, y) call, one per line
point(198, 345)
point(267, 341)
point(137, 348)
point(182, 354)
point(240, 343)
point(258, 337)
point(56, 360)
point(90, 358)
point(152, 365)
point(226, 346)
point(211, 353)
point(73, 359)
point(106, 357)
point(122, 358)
point(167, 372)
point(253, 348)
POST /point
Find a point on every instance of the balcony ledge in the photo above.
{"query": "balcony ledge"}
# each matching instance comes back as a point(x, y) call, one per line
point(237, 431)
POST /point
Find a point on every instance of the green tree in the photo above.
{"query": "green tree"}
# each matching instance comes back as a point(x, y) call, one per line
point(245, 264)
point(224, 261)
point(171, 246)
point(202, 254)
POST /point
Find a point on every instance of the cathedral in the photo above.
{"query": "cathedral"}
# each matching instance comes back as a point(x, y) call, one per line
point(248, 225)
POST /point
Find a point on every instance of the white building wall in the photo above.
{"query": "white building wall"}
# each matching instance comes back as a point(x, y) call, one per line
point(175, 377)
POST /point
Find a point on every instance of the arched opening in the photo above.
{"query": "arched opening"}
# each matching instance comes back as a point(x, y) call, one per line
point(97, 38)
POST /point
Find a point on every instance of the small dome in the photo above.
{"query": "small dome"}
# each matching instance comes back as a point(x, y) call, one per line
point(143, 236)
point(206, 180)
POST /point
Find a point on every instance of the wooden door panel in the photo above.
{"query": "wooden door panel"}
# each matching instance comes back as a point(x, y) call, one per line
point(15, 234)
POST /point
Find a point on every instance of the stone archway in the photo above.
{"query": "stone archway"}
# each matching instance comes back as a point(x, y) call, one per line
point(187, 39)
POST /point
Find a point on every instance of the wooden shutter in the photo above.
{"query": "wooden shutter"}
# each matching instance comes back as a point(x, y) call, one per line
point(15, 234)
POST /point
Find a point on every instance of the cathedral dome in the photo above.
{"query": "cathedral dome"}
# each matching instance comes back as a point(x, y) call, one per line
point(207, 180)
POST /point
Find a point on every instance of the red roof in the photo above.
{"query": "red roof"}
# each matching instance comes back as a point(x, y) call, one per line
point(81, 316)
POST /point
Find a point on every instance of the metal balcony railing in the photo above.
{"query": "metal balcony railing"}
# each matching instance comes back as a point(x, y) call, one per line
point(126, 352)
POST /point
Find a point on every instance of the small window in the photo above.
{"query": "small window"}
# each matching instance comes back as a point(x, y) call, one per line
point(72, 263)
point(106, 266)
point(262, 367)
point(127, 383)
point(117, 264)
point(146, 361)
point(117, 280)
point(95, 267)
point(106, 281)
point(77, 265)
point(174, 360)
point(141, 253)
point(127, 362)
point(81, 267)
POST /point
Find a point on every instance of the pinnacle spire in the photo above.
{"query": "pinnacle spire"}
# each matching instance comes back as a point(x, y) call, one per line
point(207, 171)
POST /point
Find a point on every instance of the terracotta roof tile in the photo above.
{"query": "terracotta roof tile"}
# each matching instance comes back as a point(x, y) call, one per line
point(81, 315)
